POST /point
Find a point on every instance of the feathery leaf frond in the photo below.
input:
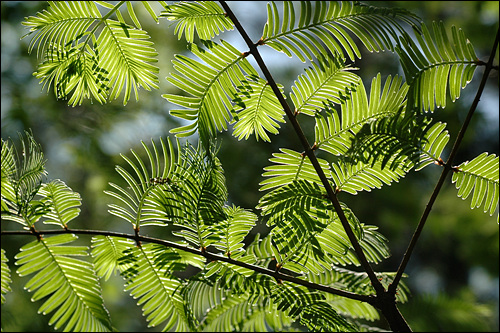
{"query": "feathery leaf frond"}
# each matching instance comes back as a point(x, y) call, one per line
point(374, 244)
point(435, 141)
point(262, 250)
point(234, 313)
point(22, 175)
point(289, 166)
point(312, 309)
point(479, 177)
point(161, 164)
point(345, 279)
point(158, 291)
point(396, 141)
point(74, 290)
point(9, 193)
point(206, 17)
point(6, 280)
point(176, 260)
point(63, 23)
point(203, 295)
point(357, 282)
point(212, 87)
point(434, 64)
point(352, 309)
point(195, 203)
point(127, 55)
point(400, 142)
point(335, 131)
point(299, 193)
point(328, 79)
point(238, 280)
point(328, 27)
point(73, 70)
point(261, 111)
point(307, 234)
point(63, 202)
point(77, 61)
point(233, 230)
point(353, 178)
point(108, 252)
point(219, 307)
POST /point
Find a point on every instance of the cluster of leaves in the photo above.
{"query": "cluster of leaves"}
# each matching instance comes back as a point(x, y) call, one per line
point(193, 199)
point(369, 139)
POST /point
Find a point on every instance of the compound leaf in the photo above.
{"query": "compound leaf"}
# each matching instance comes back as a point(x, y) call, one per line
point(70, 284)
point(479, 177)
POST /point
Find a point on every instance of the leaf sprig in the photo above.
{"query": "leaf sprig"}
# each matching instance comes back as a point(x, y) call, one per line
point(82, 63)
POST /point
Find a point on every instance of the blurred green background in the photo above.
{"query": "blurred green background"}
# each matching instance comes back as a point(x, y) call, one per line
point(454, 270)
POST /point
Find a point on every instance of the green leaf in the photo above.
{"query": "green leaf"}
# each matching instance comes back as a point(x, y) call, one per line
point(73, 70)
point(212, 87)
point(203, 295)
point(392, 140)
point(80, 62)
point(435, 64)
point(63, 23)
point(70, 284)
point(328, 79)
point(132, 207)
point(158, 291)
point(353, 178)
point(108, 253)
point(127, 55)
point(197, 205)
point(22, 177)
point(435, 141)
point(289, 166)
point(374, 244)
point(335, 131)
point(6, 280)
point(63, 203)
point(9, 170)
point(151, 11)
point(223, 308)
point(348, 133)
point(206, 17)
point(303, 247)
point(310, 307)
point(233, 230)
point(399, 141)
point(328, 26)
point(71, 66)
point(308, 234)
point(260, 111)
point(131, 12)
point(189, 192)
point(177, 260)
point(357, 282)
point(479, 177)
point(238, 313)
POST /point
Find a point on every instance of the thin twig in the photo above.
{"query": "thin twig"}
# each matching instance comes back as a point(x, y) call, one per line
point(208, 255)
point(379, 288)
point(446, 170)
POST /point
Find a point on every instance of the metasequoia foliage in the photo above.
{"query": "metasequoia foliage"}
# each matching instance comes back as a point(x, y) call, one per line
point(313, 269)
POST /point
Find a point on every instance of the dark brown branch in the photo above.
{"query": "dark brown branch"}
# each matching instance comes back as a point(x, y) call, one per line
point(202, 252)
point(446, 170)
